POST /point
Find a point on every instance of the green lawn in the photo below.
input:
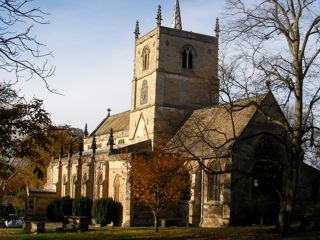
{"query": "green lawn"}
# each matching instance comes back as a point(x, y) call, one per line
point(110, 233)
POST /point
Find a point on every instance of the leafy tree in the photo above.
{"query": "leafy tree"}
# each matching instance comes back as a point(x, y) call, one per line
point(281, 40)
point(23, 127)
point(158, 179)
point(23, 123)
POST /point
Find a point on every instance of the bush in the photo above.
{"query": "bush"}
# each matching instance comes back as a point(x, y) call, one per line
point(82, 207)
point(58, 208)
point(104, 211)
point(5, 211)
point(54, 211)
point(118, 214)
point(66, 206)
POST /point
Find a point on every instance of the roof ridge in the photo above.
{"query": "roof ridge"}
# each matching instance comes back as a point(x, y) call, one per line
point(220, 105)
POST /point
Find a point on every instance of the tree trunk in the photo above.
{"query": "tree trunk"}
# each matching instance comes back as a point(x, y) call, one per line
point(155, 219)
point(285, 216)
point(290, 178)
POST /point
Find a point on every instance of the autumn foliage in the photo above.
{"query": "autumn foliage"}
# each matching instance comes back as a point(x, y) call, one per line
point(158, 179)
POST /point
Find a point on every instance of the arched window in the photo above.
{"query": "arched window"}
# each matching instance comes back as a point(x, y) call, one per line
point(64, 186)
point(99, 186)
point(74, 181)
point(213, 184)
point(145, 58)
point(144, 92)
point(187, 58)
point(213, 187)
point(116, 185)
point(84, 185)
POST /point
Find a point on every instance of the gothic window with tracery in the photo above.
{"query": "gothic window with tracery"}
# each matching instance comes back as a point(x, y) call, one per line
point(144, 92)
point(187, 58)
point(116, 185)
point(99, 186)
point(64, 186)
point(73, 192)
point(145, 58)
point(213, 184)
point(84, 185)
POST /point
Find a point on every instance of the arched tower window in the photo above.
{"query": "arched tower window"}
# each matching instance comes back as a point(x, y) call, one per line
point(213, 184)
point(73, 191)
point(99, 186)
point(144, 92)
point(116, 185)
point(187, 58)
point(145, 58)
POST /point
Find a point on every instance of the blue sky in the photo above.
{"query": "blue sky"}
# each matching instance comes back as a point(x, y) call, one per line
point(92, 43)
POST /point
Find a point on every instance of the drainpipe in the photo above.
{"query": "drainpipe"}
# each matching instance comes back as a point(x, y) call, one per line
point(202, 197)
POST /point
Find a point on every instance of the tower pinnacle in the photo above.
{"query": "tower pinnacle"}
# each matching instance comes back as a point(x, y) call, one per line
point(159, 16)
point(137, 30)
point(217, 29)
point(176, 21)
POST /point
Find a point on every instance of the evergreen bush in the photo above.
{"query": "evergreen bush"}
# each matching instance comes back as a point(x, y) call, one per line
point(54, 211)
point(117, 214)
point(66, 206)
point(82, 207)
point(5, 211)
point(104, 211)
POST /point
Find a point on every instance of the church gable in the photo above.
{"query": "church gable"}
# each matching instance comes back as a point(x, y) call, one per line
point(141, 131)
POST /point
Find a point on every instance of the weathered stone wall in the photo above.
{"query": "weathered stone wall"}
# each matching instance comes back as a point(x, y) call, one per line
point(187, 88)
point(37, 202)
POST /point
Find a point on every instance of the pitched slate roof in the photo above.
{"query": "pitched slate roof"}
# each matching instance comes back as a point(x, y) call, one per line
point(118, 122)
point(212, 131)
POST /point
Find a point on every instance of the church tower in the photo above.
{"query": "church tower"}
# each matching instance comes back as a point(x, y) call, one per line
point(175, 72)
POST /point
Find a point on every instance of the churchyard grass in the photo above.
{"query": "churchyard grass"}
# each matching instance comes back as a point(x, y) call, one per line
point(115, 233)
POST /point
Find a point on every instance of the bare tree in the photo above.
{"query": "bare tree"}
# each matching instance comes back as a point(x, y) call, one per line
point(19, 48)
point(282, 40)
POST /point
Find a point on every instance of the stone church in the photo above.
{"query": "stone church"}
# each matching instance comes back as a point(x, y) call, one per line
point(174, 87)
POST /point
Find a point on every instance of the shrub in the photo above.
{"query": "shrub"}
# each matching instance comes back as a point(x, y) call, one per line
point(103, 211)
point(82, 207)
point(54, 212)
point(66, 206)
point(5, 211)
point(117, 214)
